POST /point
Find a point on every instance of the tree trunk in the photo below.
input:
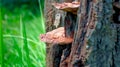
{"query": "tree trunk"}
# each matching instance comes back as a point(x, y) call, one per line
point(54, 52)
point(96, 34)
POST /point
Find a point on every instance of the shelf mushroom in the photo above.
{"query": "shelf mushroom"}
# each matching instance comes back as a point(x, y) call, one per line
point(56, 36)
point(68, 7)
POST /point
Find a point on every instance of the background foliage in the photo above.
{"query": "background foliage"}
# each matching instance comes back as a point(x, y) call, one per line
point(22, 23)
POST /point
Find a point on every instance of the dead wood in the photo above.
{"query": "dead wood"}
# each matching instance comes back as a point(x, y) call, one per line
point(96, 36)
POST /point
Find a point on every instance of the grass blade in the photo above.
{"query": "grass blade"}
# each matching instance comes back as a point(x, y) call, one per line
point(18, 50)
point(19, 37)
point(1, 39)
point(41, 14)
point(25, 44)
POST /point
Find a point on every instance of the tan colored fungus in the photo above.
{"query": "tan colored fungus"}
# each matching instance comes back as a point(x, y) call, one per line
point(68, 7)
point(56, 36)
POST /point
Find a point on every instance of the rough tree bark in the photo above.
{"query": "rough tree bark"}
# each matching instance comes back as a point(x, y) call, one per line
point(96, 34)
point(54, 52)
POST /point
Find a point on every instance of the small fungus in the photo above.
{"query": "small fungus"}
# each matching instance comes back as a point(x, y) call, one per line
point(68, 7)
point(56, 36)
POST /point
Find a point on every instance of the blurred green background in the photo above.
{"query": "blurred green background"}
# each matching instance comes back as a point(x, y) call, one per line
point(22, 23)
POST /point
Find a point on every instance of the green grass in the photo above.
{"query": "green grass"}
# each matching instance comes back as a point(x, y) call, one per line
point(25, 43)
point(21, 30)
point(1, 55)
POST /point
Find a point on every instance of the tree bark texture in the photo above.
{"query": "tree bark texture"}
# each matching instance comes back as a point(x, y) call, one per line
point(95, 32)
point(54, 51)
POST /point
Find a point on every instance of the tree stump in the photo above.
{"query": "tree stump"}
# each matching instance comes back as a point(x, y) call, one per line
point(95, 31)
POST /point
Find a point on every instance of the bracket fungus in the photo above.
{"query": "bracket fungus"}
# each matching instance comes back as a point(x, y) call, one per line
point(56, 36)
point(68, 7)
